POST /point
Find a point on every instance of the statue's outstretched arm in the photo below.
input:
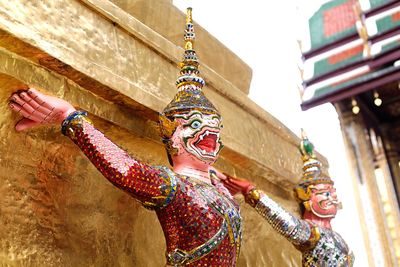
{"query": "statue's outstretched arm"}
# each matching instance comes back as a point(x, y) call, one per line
point(154, 187)
point(299, 232)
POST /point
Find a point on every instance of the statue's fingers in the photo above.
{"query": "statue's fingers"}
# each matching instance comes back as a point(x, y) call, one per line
point(221, 175)
point(25, 103)
point(34, 104)
point(25, 124)
point(17, 99)
point(233, 187)
point(33, 113)
point(39, 98)
point(35, 116)
point(232, 182)
point(15, 107)
point(18, 108)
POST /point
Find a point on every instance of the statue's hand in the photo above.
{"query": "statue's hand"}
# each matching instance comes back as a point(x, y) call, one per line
point(236, 185)
point(38, 108)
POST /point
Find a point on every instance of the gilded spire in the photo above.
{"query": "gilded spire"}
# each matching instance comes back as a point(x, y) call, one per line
point(189, 32)
point(189, 78)
point(189, 83)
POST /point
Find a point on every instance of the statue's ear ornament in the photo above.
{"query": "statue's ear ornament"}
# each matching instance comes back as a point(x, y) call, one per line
point(307, 205)
point(302, 193)
point(167, 126)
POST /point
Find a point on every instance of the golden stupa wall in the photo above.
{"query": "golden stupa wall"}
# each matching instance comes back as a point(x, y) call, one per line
point(55, 207)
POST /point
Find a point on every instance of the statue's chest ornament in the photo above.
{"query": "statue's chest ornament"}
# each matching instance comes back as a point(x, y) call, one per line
point(226, 208)
point(208, 196)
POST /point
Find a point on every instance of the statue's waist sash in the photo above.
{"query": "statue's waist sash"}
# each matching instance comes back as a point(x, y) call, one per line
point(179, 257)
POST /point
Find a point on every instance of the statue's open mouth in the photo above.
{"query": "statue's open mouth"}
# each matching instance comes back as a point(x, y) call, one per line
point(326, 204)
point(207, 143)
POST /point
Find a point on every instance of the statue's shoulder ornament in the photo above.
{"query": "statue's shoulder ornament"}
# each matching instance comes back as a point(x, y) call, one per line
point(168, 189)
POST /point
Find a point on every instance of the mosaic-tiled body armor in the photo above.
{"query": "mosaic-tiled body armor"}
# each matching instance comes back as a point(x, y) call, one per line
point(330, 251)
point(320, 247)
point(201, 222)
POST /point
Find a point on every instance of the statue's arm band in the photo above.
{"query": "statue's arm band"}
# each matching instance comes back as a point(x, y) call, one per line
point(295, 230)
point(151, 186)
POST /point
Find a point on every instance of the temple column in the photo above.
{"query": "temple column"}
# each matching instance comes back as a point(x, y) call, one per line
point(388, 163)
point(391, 145)
point(368, 198)
point(389, 201)
point(394, 161)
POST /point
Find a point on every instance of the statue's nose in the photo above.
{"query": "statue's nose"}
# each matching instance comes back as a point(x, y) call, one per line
point(214, 123)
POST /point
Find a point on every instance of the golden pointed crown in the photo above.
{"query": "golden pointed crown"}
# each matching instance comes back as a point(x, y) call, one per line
point(189, 83)
point(312, 173)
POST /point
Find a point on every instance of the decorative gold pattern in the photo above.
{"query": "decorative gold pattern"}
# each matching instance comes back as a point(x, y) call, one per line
point(169, 126)
point(297, 231)
point(253, 197)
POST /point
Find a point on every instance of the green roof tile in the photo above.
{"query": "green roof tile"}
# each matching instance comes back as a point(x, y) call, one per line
point(388, 22)
point(333, 21)
point(390, 46)
point(377, 3)
point(358, 80)
point(338, 60)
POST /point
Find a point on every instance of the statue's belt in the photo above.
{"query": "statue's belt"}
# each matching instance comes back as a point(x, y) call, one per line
point(179, 257)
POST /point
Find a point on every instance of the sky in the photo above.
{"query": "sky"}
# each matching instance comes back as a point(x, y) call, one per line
point(264, 34)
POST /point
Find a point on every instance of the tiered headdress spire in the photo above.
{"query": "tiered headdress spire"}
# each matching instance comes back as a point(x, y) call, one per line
point(312, 173)
point(189, 83)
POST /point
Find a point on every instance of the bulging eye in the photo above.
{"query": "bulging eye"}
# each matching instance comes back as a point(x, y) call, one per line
point(195, 124)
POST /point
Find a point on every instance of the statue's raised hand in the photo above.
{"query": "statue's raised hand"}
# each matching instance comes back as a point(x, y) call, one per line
point(38, 108)
point(234, 185)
